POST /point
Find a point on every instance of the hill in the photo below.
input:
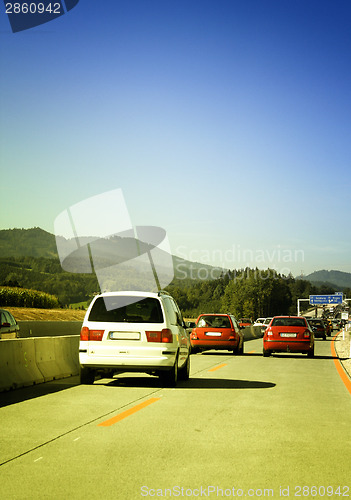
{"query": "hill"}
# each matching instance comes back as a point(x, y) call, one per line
point(337, 279)
point(33, 242)
point(29, 258)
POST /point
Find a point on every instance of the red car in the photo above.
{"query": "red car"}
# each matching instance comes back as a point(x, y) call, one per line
point(245, 322)
point(288, 334)
point(217, 331)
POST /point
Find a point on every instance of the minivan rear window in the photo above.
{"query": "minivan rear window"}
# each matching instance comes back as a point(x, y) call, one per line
point(146, 310)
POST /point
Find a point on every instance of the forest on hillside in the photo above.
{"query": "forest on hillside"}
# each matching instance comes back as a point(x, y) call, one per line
point(245, 293)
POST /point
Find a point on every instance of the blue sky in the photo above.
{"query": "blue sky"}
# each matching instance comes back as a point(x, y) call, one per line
point(227, 123)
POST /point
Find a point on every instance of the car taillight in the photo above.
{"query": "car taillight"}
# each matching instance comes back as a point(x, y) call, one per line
point(167, 335)
point(153, 336)
point(164, 335)
point(84, 333)
point(268, 331)
point(306, 333)
point(232, 334)
point(87, 334)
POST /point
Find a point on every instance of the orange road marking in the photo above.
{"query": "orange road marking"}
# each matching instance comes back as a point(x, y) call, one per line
point(339, 367)
point(250, 352)
point(127, 413)
point(217, 367)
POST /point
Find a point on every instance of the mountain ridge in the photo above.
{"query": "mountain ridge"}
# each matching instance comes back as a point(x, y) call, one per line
point(36, 243)
point(338, 279)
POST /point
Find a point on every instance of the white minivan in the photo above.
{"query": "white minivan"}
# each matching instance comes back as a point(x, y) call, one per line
point(134, 332)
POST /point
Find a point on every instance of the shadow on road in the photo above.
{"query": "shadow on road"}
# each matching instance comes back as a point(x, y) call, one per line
point(220, 383)
point(35, 391)
point(192, 383)
point(300, 356)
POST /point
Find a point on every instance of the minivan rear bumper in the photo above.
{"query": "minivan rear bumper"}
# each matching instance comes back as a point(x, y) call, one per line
point(129, 362)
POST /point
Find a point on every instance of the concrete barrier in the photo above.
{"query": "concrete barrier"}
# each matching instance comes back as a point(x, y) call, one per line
point(45, 357)
point(252, 332)
point(27, 372)
point(7, 365)
point(33, 329)
point(66, 355)
point(26, 362)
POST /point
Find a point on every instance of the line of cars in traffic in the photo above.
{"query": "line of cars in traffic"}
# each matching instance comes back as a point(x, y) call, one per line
point(280, 334)
point(145, 332)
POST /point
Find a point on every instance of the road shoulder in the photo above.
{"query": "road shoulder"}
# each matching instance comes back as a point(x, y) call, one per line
point(342, 349)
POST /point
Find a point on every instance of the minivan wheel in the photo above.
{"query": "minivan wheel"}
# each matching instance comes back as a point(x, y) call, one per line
point(109, 374)
point(87, 376)
point(184, 372)
point(170, 377)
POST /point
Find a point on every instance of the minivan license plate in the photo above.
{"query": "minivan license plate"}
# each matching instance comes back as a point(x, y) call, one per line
point(125, 335)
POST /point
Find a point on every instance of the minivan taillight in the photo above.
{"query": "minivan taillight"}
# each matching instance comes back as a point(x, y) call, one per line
point(86, 334)
point(167, 335)
point(164, 335)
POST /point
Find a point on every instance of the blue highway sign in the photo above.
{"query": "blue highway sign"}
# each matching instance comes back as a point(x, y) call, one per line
point(325, 299)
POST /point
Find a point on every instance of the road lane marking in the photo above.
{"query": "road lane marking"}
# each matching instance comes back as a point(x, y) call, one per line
point(217, 367)
point(127, 413)
point(37, 460)
point(250, 352)
point(339, 366)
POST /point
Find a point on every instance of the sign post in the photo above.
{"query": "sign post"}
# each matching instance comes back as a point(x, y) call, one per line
point(298, 305)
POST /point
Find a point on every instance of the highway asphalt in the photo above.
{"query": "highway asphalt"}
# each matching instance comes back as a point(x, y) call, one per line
point(242, 426)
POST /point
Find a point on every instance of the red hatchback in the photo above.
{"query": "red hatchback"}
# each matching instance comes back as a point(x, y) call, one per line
point(217, 331)
point(288, 334)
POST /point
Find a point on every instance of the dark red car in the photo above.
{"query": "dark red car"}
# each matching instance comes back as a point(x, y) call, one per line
point(319, 328)
point(288, 334)
point(217, 331)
